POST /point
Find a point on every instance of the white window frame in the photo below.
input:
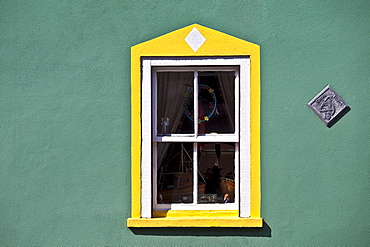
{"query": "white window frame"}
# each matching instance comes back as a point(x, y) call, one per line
point(241, 136)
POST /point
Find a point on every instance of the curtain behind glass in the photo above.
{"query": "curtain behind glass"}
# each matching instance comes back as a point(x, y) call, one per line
point(171, 87)
point(227, 84)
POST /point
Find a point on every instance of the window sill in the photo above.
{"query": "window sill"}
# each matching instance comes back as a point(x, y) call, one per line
point(195, 222)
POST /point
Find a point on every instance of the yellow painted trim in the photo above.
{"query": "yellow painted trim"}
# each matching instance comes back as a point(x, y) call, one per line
point(195, 213)
point(195, 222)
point(255, 133)
point(174, 45)
point(135, 134)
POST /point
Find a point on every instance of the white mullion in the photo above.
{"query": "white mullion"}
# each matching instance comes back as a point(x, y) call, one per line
point(237, 172)
point(237, 132)
point(195, 145)
point(202, 138)
point(195, 97)
point(195, 173)
point(155, 174)
point(237, 102)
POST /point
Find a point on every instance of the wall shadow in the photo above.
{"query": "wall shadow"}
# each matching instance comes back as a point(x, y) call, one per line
point(264, 231)
point(339, 116)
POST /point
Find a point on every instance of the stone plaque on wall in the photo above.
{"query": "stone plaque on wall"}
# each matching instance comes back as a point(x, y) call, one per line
point(328, 106)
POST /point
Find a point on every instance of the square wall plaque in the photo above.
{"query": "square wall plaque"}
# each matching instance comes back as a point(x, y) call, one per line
point(329, 106)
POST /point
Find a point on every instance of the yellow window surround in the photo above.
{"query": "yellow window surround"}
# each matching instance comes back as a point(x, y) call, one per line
point(216, 44)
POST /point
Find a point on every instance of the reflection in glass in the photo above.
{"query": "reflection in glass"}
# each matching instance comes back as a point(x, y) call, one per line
point(217, 169)
point(171, 88)
point(175, 173)
point(216, 173)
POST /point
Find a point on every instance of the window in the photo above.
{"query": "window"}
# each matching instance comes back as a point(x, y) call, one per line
point(186, 158)
point(196, 162)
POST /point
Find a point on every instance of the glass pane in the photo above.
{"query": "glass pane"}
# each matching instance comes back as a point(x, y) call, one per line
point(175, 173)
point(216, 102)
point(216, 172)
point(172, 88)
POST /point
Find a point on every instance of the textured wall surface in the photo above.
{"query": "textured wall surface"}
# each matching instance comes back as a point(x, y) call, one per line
point(65, 120)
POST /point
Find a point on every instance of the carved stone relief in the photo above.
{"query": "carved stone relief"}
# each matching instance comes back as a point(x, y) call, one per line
point(328, 105)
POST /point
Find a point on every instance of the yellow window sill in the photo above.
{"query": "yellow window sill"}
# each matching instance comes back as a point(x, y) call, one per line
point(195, 222)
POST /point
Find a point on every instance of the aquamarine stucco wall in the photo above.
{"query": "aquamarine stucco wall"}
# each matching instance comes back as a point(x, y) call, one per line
point(65, 120)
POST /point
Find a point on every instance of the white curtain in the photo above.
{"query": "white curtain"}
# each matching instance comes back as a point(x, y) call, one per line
point(227, 85)
point(171, 87)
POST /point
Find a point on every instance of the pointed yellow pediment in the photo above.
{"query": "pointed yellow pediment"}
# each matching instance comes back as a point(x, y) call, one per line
point(195, 40)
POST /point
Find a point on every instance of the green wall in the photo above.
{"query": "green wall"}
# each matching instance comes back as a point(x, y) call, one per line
point(65, 120)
